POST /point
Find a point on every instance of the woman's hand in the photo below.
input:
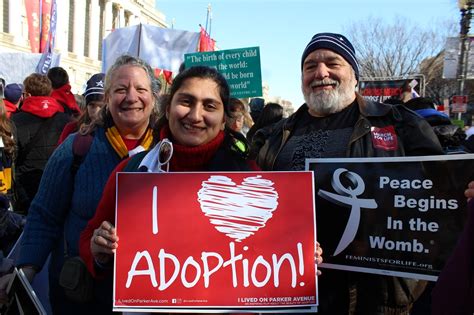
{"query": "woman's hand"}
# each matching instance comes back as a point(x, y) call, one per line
point(469, 192)
point(104, 243)
point(318, 257)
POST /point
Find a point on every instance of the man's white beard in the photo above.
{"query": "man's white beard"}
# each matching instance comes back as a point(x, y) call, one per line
point(326, 102)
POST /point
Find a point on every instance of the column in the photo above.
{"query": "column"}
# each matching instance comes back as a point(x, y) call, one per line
point(121, 17)
point(93, 34)
point(108, 16)
point(14, 18)
point(79, 27)
point(62, 26)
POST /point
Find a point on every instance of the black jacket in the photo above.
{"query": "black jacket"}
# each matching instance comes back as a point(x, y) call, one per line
point(415, 136)
point(32, 158)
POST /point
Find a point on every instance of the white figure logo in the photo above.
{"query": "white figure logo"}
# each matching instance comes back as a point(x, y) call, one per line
point(348, 197)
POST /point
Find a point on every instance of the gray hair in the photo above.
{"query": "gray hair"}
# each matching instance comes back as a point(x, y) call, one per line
point(104, 115)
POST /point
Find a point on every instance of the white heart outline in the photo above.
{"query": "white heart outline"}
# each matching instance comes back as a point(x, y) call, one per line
point(238, 211)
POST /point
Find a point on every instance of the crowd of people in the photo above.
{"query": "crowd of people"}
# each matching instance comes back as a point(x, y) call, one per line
point(59, 161)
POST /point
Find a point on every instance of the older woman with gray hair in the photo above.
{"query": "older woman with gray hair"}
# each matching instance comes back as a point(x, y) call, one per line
point(73, 182)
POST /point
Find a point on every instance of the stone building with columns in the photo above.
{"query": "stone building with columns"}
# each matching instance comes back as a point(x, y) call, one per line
point(81, 27)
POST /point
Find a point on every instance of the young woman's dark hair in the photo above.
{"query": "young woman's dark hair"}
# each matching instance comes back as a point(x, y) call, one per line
point(271, 113)
point(200, 72)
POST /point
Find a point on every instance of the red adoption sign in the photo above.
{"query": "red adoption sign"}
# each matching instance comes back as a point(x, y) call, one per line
point(202, 241)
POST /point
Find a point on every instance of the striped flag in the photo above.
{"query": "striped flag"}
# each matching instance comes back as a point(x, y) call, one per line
point(46, 59)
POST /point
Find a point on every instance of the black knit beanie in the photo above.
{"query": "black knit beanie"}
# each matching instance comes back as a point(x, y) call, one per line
point(335, 42)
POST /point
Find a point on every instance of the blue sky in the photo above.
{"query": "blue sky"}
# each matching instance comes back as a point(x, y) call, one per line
point(283, 28)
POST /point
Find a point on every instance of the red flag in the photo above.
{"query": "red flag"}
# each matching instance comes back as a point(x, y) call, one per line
point(33, 17)
point(168, 76)
point(206, 43)
point(157, 72)
point(45, 23)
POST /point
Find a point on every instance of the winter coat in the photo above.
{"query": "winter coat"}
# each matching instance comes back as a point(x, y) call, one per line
point(38, 114)
point(414, 135)
point(63, 205)
point(64, 96)
point(10, 108)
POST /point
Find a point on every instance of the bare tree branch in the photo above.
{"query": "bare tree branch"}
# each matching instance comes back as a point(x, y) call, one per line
point(396, 49)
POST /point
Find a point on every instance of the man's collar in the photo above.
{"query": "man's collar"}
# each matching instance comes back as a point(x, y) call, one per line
point(371, 108)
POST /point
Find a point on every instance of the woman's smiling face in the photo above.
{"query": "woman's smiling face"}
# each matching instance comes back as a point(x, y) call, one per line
point(196, 112)
point(130, 99)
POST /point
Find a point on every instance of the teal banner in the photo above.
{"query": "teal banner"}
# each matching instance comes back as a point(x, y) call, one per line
point(240, 67)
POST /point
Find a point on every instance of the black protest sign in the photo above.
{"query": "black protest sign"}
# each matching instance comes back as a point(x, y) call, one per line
point(379, 90)
point(394, 216)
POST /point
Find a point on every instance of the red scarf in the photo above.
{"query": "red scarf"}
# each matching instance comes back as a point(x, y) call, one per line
point(191, 159)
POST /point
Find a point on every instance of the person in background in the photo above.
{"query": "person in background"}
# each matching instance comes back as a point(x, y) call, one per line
point(7, 154)
point(13, 97)
point(238, 118)
point(38, 125)
point(62, 91)
point(337, 122)
point(194, 121)
point(69, 193)
point(11, 223)
point(271, 113)
point(80, 101)
point(256, 106)
point(236, 122)
point(94, 99)
point(449, 135)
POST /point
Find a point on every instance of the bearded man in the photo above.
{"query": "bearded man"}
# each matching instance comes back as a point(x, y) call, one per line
point(338, 122)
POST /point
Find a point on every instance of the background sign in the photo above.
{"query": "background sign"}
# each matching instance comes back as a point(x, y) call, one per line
point(240, 67)
point(215, 241)
point(459, 104)
point(451, 58)
point(396, 216)
point(379, 90)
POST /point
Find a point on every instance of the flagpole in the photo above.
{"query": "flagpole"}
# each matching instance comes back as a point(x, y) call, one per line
point(139, 39)
point(207, 16)
point(210, 24)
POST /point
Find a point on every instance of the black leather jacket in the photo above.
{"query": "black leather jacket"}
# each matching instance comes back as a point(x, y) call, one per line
point(415, 136)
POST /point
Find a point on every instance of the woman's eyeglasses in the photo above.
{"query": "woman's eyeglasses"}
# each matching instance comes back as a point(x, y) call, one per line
point(165, 152)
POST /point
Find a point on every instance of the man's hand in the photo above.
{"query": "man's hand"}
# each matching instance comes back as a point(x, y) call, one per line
point(318, 257)
point(469, 192)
